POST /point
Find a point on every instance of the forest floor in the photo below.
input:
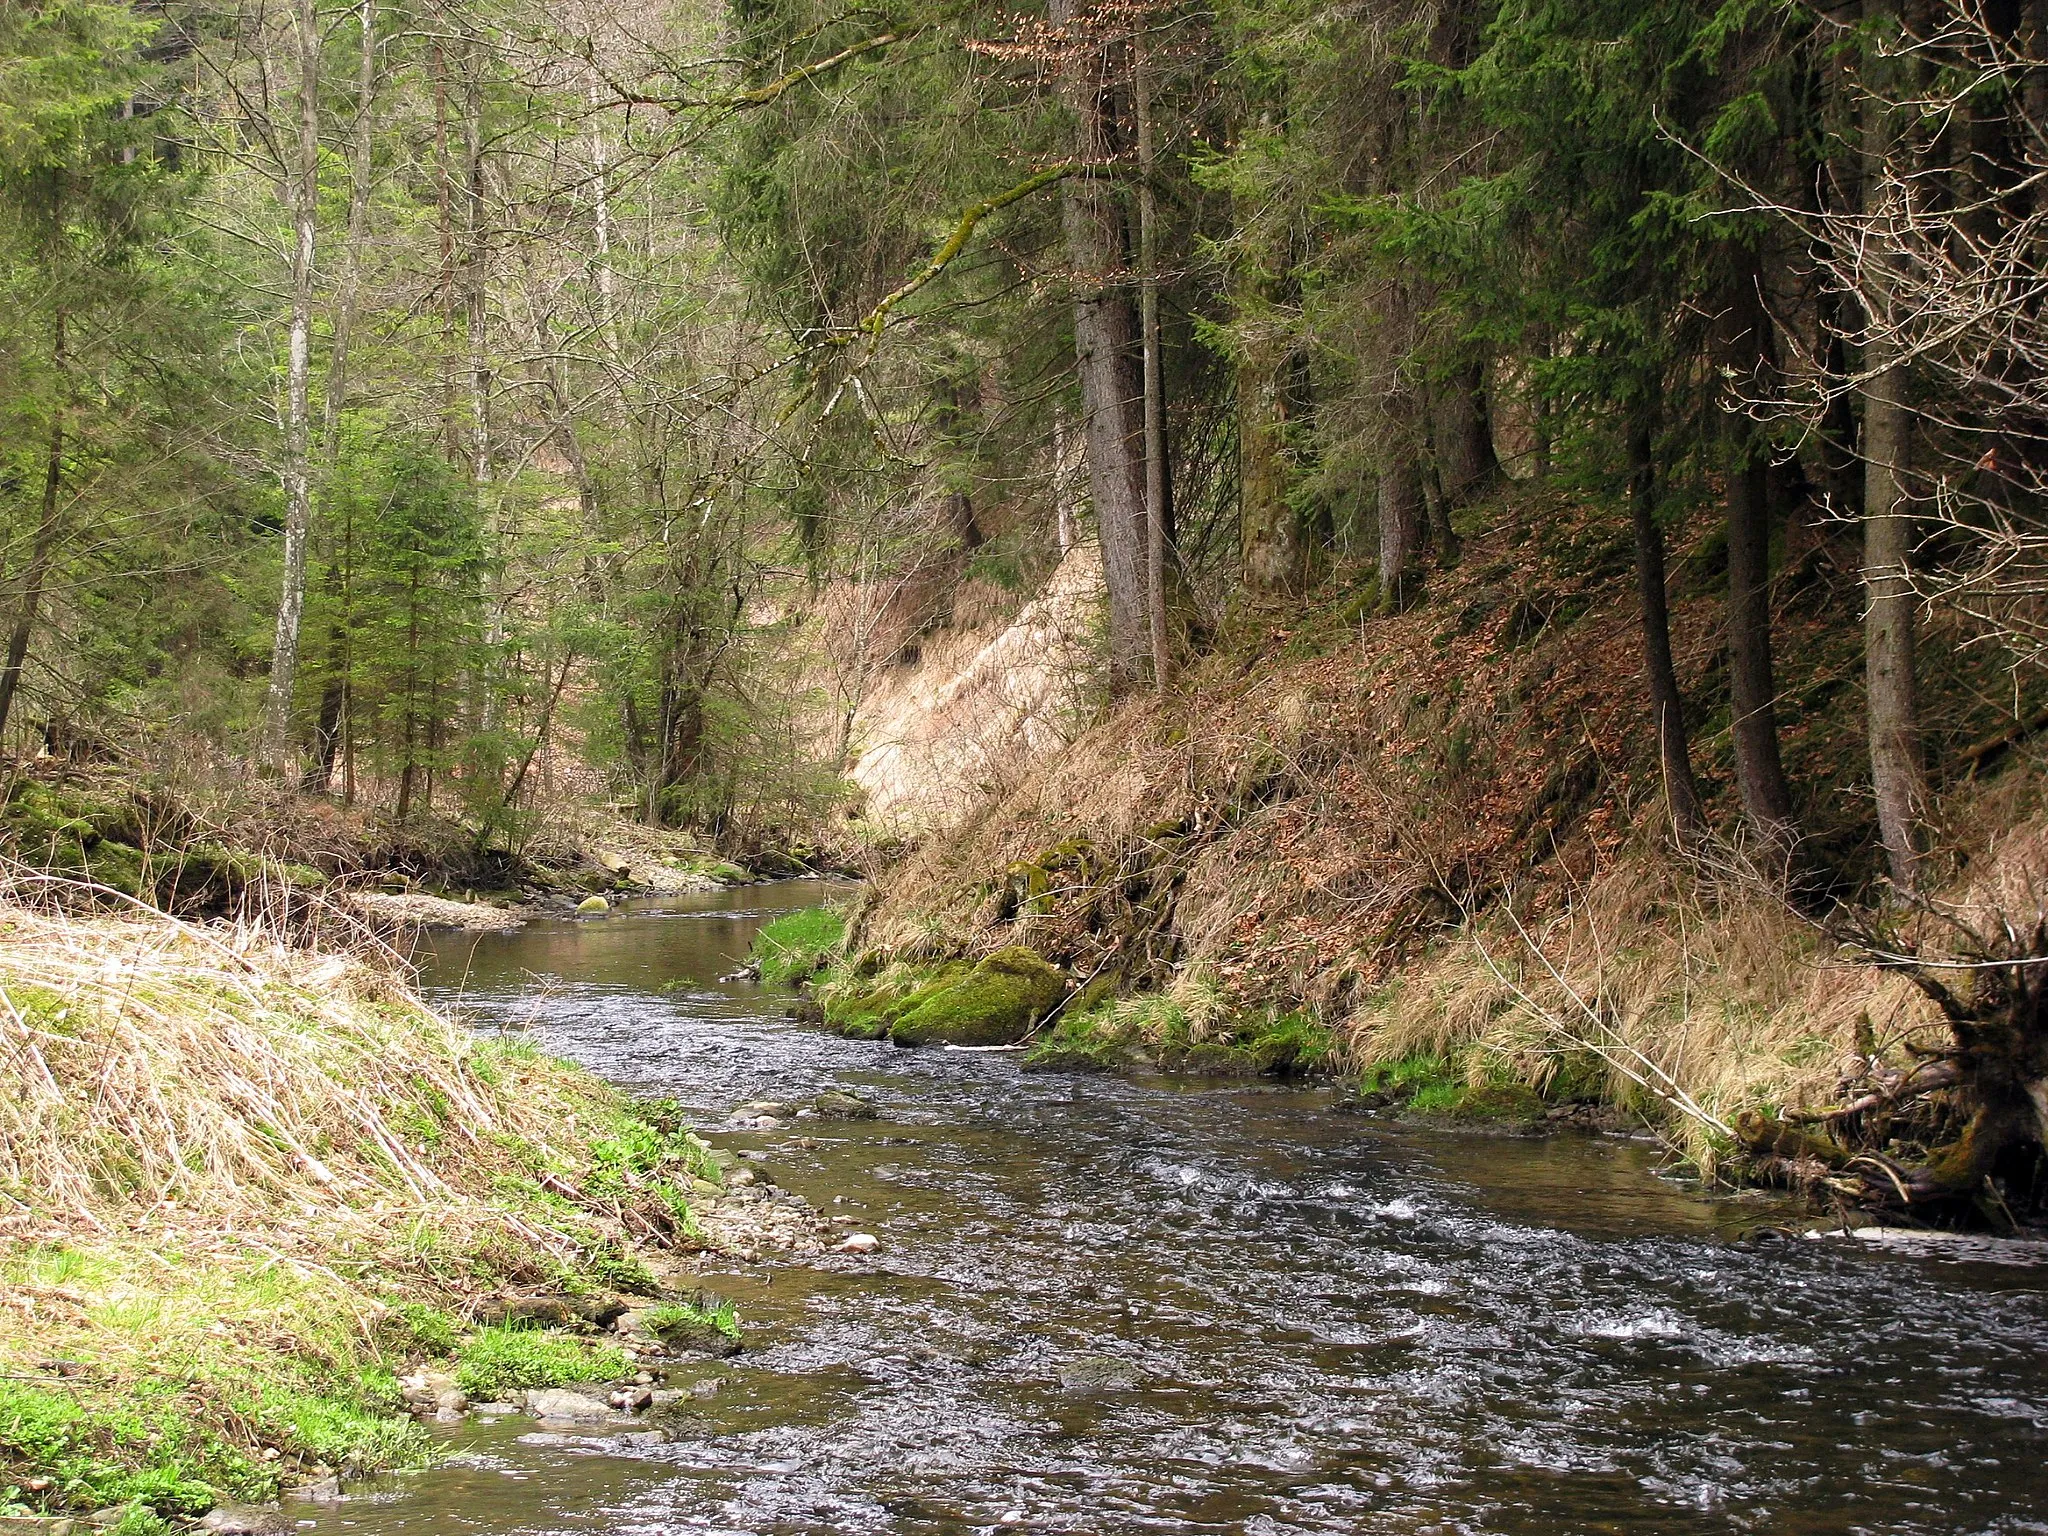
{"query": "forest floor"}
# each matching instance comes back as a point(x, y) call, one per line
point(1424, 848)
point(260, 1208)
point(220, 844)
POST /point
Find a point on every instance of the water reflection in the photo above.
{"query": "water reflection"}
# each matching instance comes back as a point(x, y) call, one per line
point(1109, 1306)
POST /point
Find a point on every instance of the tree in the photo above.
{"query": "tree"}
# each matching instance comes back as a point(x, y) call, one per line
point(82, 195)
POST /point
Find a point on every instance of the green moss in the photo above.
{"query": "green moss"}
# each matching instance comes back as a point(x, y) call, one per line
point(799, 944)
point(1288, 1044)
point(621, 1271)
point(509, 1358)
point(1093, 1039)
point(1160, 1028)
point(996, 1003)
point(1441, 1088)
point(867, 1007)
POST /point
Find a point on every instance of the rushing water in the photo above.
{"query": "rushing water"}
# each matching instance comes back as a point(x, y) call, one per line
point(1317, 1323)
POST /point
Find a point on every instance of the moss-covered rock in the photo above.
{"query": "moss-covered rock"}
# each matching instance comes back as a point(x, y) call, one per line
point(867, 1007)
point(997, 1002)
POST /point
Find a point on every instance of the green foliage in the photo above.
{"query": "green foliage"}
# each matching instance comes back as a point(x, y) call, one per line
point(620, 1271)
point(508, 1358)
point(797, 945)
point(682, 1318)
point(426, 1329)
point(140, 1454)
point(1188, 1029)
point(1442, 1088)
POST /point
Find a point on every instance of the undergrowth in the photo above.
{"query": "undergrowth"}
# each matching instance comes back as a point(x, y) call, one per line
point(249, 1184)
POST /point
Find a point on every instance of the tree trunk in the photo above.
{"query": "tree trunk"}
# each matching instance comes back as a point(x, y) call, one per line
point(302, 193)
point(1400, 487)
point(1154, 385)
point(1745, 348)
point(1269, 534)
point(1896, 772)
point(41, 552)
point(1104, 339)
point(1467, 466)
point(1667, 704)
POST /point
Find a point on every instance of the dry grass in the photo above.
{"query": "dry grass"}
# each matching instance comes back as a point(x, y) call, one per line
point(153, 1065)
point(1692, 998)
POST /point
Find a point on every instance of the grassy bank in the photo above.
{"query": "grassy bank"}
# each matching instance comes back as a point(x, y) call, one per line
point(212, 844)
point(245, 1187)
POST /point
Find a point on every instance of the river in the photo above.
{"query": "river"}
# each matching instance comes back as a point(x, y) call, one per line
point(1105, 1306)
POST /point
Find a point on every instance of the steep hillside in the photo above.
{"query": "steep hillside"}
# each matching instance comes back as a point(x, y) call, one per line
point(1437, 834)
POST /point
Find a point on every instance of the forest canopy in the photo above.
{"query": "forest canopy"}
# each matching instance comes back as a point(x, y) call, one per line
point(406, 399)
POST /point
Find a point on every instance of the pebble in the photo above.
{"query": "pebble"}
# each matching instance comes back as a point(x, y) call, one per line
point(859, 1242)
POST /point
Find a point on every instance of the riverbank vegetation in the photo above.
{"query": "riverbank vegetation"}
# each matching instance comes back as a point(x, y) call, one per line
point(246, 1187)
point(1489, 535)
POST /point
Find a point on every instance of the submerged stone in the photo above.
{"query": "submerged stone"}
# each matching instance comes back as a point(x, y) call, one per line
point(592, 906)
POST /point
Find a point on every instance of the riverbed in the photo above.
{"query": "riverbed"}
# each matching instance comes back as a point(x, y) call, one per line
point(1105, 1305)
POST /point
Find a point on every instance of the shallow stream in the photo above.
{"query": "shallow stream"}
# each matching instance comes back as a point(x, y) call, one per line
point(1134, 1306)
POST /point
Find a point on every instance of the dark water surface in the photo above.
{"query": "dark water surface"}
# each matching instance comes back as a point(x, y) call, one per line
point(1328, 1324)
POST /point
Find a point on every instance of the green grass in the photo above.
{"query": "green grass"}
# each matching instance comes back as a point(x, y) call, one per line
point(797, 945)
point(510, 1358)
point(95, 1457)
point(679, 1316)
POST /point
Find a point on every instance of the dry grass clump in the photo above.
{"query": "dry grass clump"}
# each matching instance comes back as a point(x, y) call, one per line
point(1685, 997)
point(241, 1181)
point(152, 1064)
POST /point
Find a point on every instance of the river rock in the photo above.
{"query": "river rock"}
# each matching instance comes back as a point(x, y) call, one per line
point(632, 1400)
point(599, 1311)
point(425, 1391)
point(592, 906)
point(247, 1520)
point(838, 1104)
point(566, 1407)
point(857, 1242)
point(326, 1490)
point(1099, 1373)
point(996, 1002)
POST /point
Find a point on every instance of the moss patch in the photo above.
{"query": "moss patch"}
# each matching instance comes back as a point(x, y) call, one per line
point(1184, 1031)
point(996, 1002)
point(1441, 1088)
